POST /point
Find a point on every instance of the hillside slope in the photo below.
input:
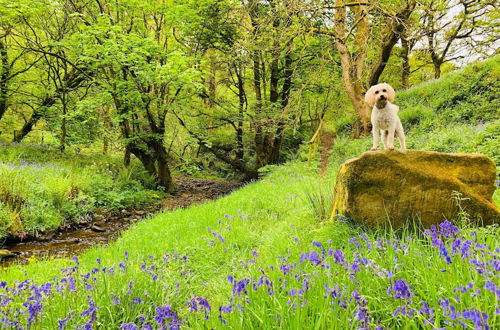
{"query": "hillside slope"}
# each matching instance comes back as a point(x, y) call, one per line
point(459, 112)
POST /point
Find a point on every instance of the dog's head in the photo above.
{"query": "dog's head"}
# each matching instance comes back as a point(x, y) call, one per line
point(380, 94)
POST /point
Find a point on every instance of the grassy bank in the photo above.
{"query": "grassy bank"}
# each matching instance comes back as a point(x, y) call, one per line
point(40, 187)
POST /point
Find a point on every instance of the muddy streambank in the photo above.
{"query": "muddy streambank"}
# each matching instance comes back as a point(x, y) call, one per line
point(103, 227)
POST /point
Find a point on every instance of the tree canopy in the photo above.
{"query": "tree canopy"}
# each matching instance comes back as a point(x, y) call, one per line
point(237, 84)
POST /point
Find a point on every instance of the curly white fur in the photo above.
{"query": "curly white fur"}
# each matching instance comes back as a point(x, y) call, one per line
point(385, 117)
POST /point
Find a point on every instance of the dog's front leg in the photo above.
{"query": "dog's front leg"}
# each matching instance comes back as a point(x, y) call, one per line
point(375, 132)
point(390, 137)
point(384, 135)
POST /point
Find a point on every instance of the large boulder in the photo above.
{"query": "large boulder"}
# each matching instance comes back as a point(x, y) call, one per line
point(383, 186)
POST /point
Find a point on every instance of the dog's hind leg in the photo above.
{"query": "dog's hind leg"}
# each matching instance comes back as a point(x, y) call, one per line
point(375, 137)
point(401, 137)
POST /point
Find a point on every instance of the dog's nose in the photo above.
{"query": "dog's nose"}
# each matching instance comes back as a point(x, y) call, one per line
point(382, 97)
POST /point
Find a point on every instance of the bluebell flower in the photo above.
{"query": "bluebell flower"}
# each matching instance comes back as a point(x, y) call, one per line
point(319, 246)
point(355, 241)
point(490, 286)
point(91, 310)
point(400, 289)
point(240, 287)
point(224, 309)
point(312, 256)
point(447, 229)
point(362, 315)
point(64, 321)
point(115, 300)
point(339, 258)
point(129, 326)
point(163, 314)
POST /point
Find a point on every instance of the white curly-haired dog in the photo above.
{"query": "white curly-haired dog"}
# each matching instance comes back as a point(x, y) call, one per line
point(385, 116)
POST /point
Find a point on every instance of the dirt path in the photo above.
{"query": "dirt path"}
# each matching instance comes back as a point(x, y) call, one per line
point(103, 228)
point(326, 145)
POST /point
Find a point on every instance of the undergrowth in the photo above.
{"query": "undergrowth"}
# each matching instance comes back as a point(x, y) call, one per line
point(38, 193)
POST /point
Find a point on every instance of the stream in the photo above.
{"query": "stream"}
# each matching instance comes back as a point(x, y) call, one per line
point(105, 227)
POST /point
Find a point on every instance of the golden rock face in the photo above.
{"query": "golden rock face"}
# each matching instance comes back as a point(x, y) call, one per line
point(384, 186)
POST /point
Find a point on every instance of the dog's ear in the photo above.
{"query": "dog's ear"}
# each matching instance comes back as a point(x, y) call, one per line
point(391, 94)
point(370, 96)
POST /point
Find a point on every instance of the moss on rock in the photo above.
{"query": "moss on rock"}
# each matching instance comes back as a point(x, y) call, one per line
point(392, 186)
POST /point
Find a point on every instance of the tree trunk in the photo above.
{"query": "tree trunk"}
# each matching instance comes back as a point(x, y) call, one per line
point(62, 140)
point(147, 160)
point(353, 63)
point(405, 74)
point(212, 86)
point(384, 58)
point(241, 107)
point(156, 145)
point(163, 172)
point(35, 116)
point(285, 96)
point(126, 157)
point(106, 118)
point(392, 33)
point(258, 121)
point(4, 76)
point(437, 69)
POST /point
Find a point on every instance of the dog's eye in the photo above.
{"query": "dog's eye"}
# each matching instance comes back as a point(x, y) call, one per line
point(376, 92)
point(385, 90)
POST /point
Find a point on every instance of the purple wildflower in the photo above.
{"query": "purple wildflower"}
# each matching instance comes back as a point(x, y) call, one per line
point(447, 229)
point(224, 309)
point(355, 241)
point(490, 286)
point(240, 287)
point(62, 322)
point(115, 300)
point(163, 314)
point(319, 246)
point(400, 289)
point(312, 256)
point(91, 310)
point(200, 304)
point(362, 314)
point(339, 258)
point(443, 252)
